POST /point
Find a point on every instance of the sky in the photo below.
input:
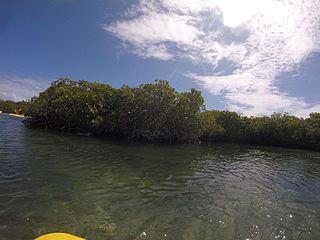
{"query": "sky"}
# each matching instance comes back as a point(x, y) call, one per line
point(255, 57)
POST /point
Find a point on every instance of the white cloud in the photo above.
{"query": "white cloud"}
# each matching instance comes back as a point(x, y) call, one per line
point(153, 28)
point(155, 51)
point(262, 40)
point(18, 89)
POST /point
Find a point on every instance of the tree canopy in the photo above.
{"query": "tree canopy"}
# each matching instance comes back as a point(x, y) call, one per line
point(158, 113)
point(8, 106)
point(151, 112)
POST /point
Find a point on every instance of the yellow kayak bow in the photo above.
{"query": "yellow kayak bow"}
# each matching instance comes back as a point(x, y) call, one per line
point(59, 236)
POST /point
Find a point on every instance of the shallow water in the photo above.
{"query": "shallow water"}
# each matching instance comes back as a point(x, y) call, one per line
point(101, 189)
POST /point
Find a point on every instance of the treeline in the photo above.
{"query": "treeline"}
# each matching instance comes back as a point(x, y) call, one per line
point(8, 106)
point(280, 130)
point(158, 113)
point(150, 112)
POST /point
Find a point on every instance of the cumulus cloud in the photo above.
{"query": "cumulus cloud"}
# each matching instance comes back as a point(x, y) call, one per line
point(18, 89)
point(261, 40)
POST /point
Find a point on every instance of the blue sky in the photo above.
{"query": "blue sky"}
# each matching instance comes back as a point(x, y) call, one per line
point(247, 56)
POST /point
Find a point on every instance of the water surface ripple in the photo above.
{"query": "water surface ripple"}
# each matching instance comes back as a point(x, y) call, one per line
point(100, 189)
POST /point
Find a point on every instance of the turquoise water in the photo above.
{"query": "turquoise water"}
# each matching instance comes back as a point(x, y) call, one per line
point(101, 189)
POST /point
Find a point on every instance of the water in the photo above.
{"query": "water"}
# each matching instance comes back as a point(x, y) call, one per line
point(101, 189)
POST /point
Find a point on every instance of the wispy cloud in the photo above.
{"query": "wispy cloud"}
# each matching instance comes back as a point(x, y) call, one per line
point(261, 40)
point(18, 89)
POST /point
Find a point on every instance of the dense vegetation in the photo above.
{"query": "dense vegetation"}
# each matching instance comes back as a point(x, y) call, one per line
point(13, 107)
point(156, 112)
point(152, 112)
point(275, 130)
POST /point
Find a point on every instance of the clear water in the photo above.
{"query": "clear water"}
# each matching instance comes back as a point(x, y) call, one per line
point(101, 189)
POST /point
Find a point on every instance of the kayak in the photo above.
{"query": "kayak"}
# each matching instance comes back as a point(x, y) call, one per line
point(59, 236)
point(16, 115)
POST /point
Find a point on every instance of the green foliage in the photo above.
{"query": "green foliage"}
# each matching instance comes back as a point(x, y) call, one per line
point(275, 130)
point(231, 123)
point(13, 107)
point(151, 112)
point(156, 112)
point(211, 129)
point(312, 125)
